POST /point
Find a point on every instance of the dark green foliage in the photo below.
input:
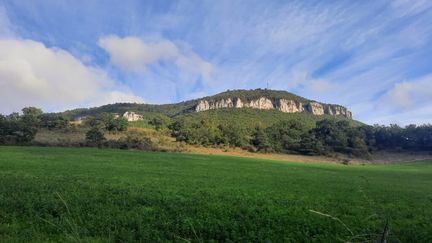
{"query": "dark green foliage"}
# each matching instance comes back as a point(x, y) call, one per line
point(260, 140)
point(269, 130)
point(19, 129)
point(334, 135)
point(339, 136)
point(136, 141)
point(95, 136)
point(234, 135)
point(310, 145)
point(200, 132)
point(31, 115)
point(132, 140)
point(107, 121)
point(93, 195)
point(249, 118)
point(117, 124)
point(412, 137)
point(53, 121)
point(160, 122)
point(287, 135)
point(144, 109)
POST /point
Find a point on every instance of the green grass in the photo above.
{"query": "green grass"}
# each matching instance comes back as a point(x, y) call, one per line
point(91, 195)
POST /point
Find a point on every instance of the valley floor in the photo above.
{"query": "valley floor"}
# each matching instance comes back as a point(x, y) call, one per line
point(376, 157)
point(103, 195)
point(73, 138)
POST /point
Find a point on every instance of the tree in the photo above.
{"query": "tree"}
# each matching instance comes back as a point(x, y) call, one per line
point(117, 124)
point(95, 136)
point(53, 121)
point(160, 122)
point(31, 116)
point(310, 145)
point(234, 135)
point(107, 121)
point(332, 134)
point(286, 135)
point(15, 130)
point(260, 140)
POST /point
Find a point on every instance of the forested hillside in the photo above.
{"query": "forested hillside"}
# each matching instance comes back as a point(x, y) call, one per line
point(179, 109)
point(255, 130)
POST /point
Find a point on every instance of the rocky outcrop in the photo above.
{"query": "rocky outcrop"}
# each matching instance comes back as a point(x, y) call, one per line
point(132, 116)
point(337, 110)
point(290, 106)
point(315, 108)
point(261, 103)
point(283, 105)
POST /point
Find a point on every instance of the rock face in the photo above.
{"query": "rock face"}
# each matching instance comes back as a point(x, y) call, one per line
point(290, 106)
point(283, 105)
point(261, 103)
point(132, 116)
point(338, 110)
point(315, 108)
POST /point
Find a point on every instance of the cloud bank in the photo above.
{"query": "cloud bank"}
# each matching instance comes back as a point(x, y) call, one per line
point(32, 74)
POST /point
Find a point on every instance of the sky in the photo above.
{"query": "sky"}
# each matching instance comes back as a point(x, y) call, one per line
point(374, 57)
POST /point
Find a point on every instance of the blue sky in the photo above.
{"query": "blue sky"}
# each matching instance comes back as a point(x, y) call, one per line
point(372, 56)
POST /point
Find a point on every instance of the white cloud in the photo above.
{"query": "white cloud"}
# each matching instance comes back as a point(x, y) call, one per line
point(408, 95)
point(133, 54)
point(194, 64)
point(33, 75)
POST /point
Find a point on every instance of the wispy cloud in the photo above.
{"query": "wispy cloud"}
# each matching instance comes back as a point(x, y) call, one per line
point(354, 53)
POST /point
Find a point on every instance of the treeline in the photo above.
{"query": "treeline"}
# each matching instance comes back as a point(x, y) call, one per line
point(108, 122)
point(21, 128)
point(302, 136)
point(327, 137)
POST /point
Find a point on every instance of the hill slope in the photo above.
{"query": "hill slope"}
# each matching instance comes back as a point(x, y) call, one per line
point(261, 99)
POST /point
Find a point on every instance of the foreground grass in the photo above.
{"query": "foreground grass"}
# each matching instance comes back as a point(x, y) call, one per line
point(81, 195)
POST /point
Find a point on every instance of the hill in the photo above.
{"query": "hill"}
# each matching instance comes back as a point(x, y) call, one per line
point(257, 99)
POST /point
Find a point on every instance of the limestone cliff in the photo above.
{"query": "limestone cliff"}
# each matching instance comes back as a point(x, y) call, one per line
point(132, 116)
point(283, 105)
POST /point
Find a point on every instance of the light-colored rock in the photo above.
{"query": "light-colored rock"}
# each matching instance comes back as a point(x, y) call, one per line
point(203, 105)
point(132, 116)
point(290, 106)
point(261, 103)
point(315, 108)
point(238, 103)
point(283, 105)
point(224, 103)
point(337, 110)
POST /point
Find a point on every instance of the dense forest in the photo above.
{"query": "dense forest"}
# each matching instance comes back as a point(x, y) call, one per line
point(253, 130)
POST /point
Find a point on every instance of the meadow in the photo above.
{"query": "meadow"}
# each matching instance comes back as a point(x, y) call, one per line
point(102, 195)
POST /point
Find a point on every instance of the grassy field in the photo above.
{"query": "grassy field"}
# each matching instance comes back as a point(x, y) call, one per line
point(91, 195)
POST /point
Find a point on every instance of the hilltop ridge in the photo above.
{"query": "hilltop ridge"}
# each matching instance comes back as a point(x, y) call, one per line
point(257, 99)
point(270, 99)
